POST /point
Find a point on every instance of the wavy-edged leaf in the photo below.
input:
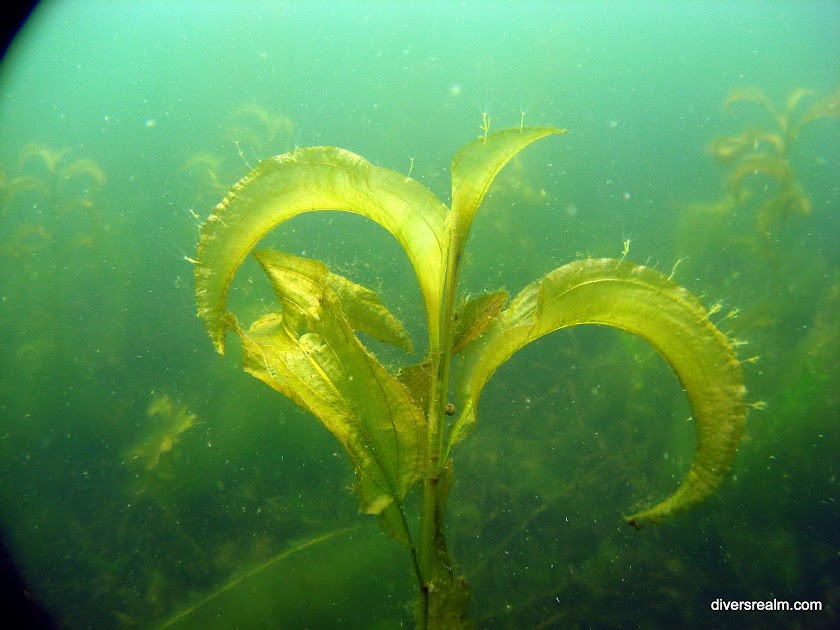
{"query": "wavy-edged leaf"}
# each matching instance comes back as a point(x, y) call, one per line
point(474, 316)
point(310, 354)
point(316, 178)
point(641, 301)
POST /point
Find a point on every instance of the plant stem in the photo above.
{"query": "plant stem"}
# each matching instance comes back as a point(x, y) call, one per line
point(440, 359)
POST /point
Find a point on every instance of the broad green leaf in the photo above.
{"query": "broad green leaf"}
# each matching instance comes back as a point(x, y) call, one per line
point(476, 165)
point(310, 354)
point(316, 178)
point(473, 317)
point(641, 301)
point(301, 279)
point(392, 521)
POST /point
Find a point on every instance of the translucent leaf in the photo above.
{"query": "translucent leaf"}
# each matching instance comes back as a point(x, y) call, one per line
point(310, 354)
point(50, 157)
point(364, 312)
point(300, 279)
point(476, 165)
point(728, 148)
point(317, 178)
point(473, 317)
point(167, 421)
point(26, 183)
point(392, 522)
point(643, 302)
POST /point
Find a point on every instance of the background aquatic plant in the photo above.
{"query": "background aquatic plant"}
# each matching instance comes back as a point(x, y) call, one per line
point(761, 176)
point(50, 199)
point(394, 428)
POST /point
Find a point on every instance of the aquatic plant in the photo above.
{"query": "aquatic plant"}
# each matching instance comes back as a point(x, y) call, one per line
point(761, 156)
point(47, 192)
point(400, 429)
point(167, 421)
point(253, 131)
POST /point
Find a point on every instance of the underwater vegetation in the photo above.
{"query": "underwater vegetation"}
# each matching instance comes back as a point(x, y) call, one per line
point(760, 176)
point(49, 195)
point(168, 421)
point(254, 132)
point(400, 427)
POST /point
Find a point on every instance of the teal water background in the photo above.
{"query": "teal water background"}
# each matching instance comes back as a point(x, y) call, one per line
point(123, 123)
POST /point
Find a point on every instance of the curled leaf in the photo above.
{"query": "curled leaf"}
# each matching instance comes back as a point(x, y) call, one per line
point(301, 280)
point(312, 179)
point(364, 312)
point(767, 164)
point(750, 94)
point(641, 301)
point(728, 148)
point(84, 167)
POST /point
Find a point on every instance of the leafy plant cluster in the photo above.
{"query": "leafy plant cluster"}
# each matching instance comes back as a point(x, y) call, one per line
point(399, 429)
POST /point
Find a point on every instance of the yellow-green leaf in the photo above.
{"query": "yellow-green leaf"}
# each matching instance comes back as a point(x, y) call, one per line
point(641, 301)
point(316, 178)
point(474, 316)
point(310, 354)
point(476, 165)
point(300, 280)
point(418, 379)
point(82, 167)
point(364, 312)
point(793, 99)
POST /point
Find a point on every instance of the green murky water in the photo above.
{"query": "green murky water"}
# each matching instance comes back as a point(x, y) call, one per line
point(145, 480)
